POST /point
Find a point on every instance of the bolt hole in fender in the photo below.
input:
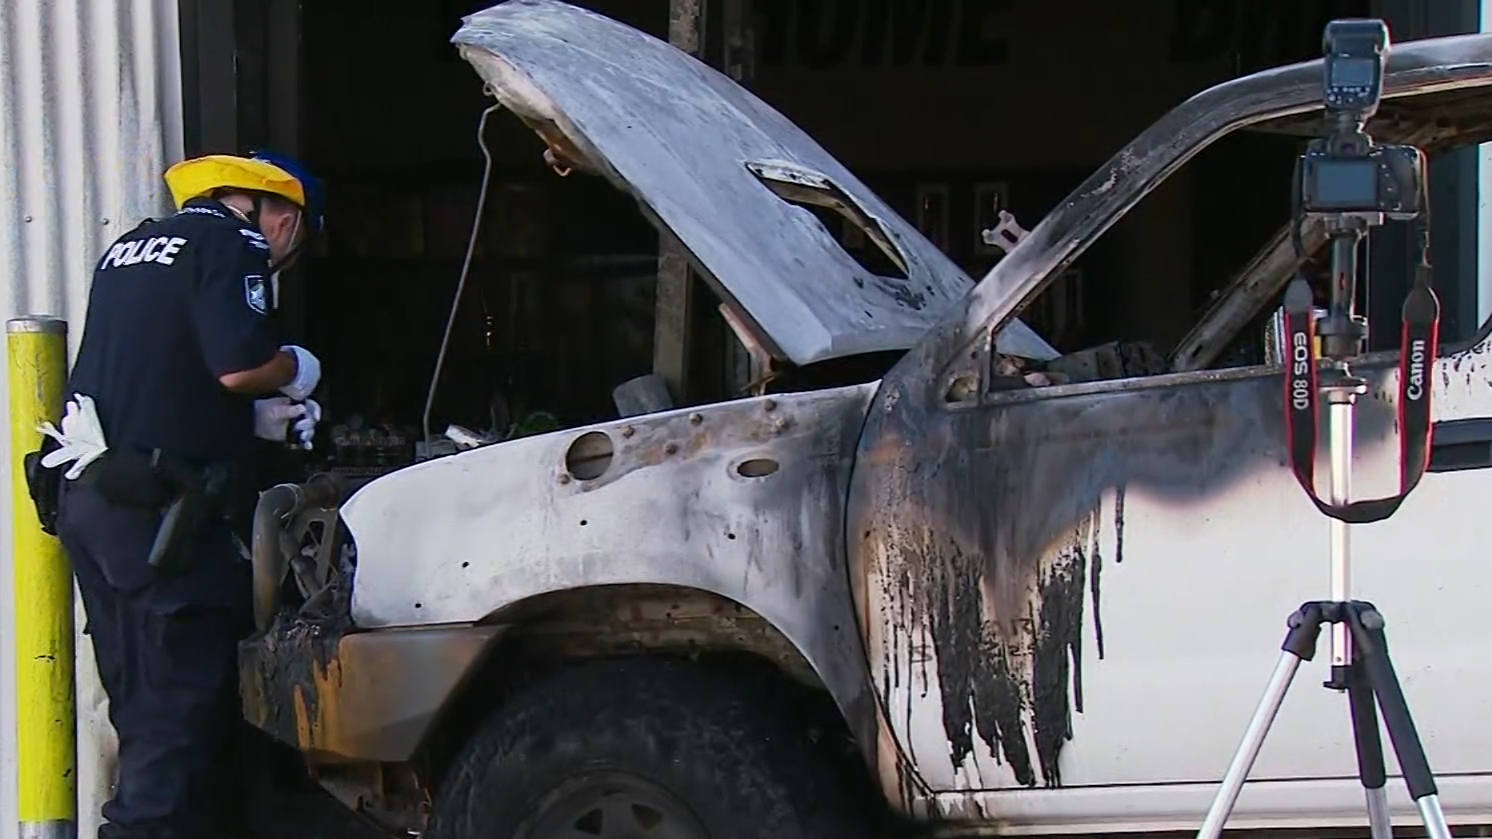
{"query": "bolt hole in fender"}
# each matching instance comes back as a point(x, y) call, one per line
point(589, 456)
point(757, 467)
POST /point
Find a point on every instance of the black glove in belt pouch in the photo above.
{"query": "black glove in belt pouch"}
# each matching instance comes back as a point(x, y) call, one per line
point(43, 484)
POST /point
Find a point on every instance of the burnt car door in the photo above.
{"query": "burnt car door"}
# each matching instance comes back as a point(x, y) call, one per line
point(1084, 586)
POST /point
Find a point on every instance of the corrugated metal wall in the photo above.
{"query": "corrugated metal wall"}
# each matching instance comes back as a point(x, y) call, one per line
point(90, 115)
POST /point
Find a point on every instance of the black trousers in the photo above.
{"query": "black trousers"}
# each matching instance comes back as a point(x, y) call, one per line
point(167, 657)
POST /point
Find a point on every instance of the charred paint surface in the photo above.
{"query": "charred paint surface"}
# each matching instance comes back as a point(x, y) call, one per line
point(280, 675)
point(333, 693)
point(980, 527)
point(1057, 658)
point(971, 663)
point(463, 538)
point(1095, 572)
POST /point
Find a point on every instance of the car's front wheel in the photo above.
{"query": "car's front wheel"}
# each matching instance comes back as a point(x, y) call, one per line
point(643, 748)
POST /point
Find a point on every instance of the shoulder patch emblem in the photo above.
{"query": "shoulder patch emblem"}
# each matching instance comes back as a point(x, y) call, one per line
point(255, 293)
point(255, 238)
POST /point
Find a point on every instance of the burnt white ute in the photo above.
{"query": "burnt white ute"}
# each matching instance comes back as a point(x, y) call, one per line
point(992, 588)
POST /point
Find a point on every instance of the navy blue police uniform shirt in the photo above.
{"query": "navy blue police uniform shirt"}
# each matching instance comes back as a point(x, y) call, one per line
point(175, 304)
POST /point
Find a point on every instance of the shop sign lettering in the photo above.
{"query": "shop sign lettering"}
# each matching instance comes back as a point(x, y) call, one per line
point(830, 34)
point(1256, 33)
point(827, 34)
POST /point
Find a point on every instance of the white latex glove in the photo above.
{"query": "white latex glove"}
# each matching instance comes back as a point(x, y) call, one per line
point(307, 373)
point(82, 437)
point(273, 419)
point(305, 425)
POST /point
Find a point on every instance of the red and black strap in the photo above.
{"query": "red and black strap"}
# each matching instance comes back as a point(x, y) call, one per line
point(1421, 334)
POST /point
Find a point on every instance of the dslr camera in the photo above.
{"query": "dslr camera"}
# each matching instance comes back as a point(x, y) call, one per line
point(1346, 173)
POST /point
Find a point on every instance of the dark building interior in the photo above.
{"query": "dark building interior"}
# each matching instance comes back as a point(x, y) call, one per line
point(948, 109)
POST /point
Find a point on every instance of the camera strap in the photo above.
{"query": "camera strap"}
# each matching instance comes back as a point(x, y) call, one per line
point(1421, 334)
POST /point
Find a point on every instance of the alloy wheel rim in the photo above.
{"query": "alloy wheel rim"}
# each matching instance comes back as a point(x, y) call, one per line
point(614, 805)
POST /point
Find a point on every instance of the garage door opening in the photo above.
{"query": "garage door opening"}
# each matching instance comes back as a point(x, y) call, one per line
point(560, 304)
point(557, 307)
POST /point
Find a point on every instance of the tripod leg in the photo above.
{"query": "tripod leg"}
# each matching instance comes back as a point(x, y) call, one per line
point(1248, 750)
point(1369, 744)
point(1372, 649)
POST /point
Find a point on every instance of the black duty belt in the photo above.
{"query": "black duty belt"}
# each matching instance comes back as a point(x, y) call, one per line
point(189, 493)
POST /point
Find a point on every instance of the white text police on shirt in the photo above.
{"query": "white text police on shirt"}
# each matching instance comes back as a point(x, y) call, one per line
point(158, 249)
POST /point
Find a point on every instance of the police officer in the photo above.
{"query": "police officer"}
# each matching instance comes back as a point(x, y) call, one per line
point(179, 369)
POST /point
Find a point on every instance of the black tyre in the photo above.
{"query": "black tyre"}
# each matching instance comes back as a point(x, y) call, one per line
point(643, 749)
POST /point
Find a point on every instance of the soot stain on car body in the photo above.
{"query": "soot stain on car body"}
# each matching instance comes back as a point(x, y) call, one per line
point(981, 534)
point(1057, 659)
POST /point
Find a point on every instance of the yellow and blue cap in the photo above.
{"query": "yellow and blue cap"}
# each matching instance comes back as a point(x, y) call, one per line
point(261, 171)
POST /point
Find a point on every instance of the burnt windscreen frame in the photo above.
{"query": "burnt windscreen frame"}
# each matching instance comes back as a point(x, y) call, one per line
point(842, 218)
point(1448, 124)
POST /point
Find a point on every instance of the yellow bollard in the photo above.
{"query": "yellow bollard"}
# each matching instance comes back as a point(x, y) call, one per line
point(46, 720)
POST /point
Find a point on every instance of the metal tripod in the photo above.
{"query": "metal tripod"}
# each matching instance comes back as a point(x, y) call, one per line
point(1360, 663)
